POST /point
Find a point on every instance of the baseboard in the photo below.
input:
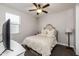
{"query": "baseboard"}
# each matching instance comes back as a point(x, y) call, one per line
point(62, 44)
point(65, 44)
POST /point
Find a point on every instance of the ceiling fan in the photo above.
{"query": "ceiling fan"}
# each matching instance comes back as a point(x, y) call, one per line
point(39, 9)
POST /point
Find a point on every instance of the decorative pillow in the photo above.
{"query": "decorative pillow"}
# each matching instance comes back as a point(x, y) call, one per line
point(48, 31)
point(44, 32)
point(51, 33)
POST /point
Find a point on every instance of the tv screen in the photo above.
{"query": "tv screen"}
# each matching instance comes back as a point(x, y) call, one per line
point(6, 35)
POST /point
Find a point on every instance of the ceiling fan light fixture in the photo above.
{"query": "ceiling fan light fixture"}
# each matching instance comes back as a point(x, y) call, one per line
point(39, 10)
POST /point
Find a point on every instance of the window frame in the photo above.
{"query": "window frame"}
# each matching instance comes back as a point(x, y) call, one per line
point(15, 24)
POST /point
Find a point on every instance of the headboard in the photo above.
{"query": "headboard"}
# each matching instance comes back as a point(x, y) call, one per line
point(49, 26)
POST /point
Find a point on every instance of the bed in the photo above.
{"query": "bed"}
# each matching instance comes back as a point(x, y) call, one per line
point(43, 42)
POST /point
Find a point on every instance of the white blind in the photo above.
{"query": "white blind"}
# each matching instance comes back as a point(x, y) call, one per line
point(15, 22)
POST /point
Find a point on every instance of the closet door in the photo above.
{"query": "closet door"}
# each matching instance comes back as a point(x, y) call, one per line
point(77, 29)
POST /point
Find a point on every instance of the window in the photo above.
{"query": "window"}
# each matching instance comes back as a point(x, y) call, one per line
point(15, 22)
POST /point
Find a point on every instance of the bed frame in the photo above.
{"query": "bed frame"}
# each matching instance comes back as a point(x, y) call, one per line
point(31, 50)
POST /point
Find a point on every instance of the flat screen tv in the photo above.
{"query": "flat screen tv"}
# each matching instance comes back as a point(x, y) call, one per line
point(6, 35)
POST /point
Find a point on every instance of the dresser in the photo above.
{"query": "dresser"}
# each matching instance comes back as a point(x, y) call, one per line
point(18, 50)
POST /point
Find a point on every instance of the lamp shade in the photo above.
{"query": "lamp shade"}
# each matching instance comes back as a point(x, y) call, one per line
point(68, 30)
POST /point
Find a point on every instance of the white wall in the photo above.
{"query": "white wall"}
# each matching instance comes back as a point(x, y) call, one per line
point(61, 21)
point(28, 23)
point(77, 29)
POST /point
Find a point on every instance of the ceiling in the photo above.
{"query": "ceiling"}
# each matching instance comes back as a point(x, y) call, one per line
point(54, 7)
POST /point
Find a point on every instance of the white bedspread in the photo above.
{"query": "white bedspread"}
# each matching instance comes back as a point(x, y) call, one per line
point(41, 44)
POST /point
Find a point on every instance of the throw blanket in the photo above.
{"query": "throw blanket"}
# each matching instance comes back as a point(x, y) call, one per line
point(41, 44)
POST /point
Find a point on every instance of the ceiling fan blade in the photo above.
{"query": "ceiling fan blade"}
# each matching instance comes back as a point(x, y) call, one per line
point(44, 11)
point(39, 5)
point(45, 6)
point(35, 4)
point(32, 10)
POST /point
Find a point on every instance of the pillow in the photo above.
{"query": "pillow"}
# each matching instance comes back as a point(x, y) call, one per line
point(48, 32)
point(44, 32)
point(51, 33)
